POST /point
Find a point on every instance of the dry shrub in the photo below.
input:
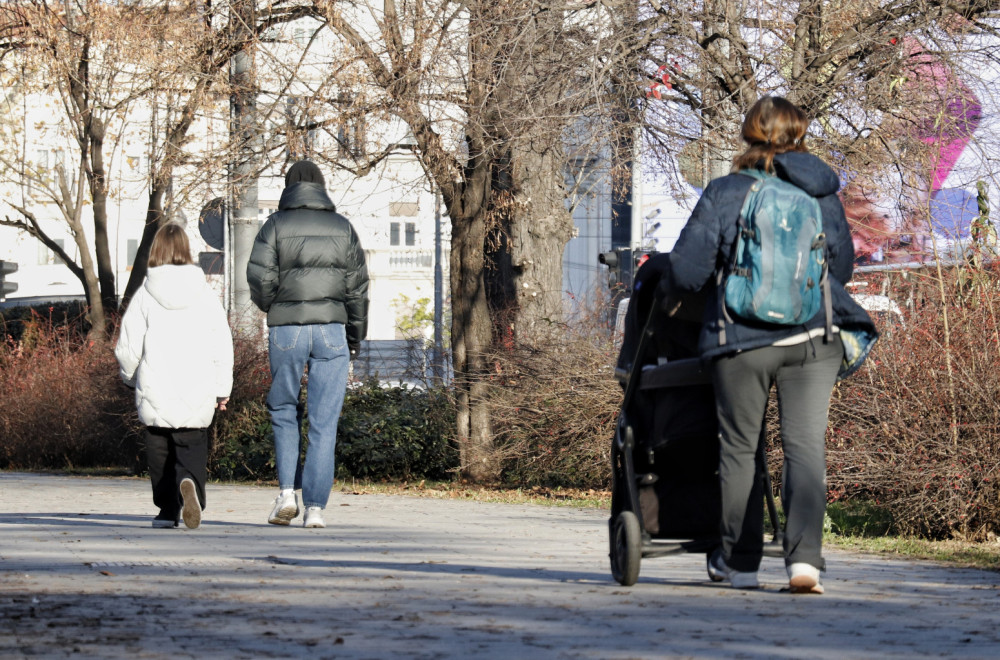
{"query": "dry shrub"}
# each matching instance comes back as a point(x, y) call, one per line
point(241, 445)
point(62, 404)
point(918, 429)
point(554, 407)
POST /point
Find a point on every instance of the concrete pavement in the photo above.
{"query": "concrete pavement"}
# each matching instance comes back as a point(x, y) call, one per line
point(82, 574)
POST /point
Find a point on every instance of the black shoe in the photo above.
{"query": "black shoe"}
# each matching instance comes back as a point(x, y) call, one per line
point(163, 521)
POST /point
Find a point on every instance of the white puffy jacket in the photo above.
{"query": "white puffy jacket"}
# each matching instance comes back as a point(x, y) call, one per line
point(176, 348)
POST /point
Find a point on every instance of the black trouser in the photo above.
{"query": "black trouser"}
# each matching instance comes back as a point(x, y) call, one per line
point(805, 375)
point(172, 455)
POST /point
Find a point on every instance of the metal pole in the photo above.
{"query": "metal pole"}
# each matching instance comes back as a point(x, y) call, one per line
point(227, 254)
point(244, 132)
point(637, 214)
point(438, 365)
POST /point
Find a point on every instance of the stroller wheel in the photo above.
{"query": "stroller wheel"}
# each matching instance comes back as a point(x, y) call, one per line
point(626, 548)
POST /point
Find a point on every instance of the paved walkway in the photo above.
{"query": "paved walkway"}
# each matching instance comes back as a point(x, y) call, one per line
point(83, 574)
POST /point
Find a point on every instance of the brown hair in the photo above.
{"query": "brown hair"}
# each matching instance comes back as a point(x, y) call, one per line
point(772, 126)
point(170, 246)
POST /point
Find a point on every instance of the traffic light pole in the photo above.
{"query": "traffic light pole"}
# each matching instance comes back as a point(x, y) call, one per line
point(6, 268)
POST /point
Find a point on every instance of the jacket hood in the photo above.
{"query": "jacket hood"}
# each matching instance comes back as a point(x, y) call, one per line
point(807, 172)
point(175, 287)
point(304, 170)
point(305, 195)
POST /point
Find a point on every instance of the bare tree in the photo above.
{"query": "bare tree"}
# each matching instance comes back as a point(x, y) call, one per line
point(79, 54)
point(498, 97)
point(849, 64)
point(163, 63)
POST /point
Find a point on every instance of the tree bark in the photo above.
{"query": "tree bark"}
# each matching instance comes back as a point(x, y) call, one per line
point(97, 177)
point(96, 313)
point(526, 249)
point(471, 331)
point(540, 237)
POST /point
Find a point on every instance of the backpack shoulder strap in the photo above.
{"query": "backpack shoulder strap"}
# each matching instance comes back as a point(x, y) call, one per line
point(759, 177)
point(742, 226)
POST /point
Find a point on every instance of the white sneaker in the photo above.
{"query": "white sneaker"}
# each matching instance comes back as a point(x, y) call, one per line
point(804, 579)
point(718, 571)
point(191, 511)
point(314, 517)
point(286, 508)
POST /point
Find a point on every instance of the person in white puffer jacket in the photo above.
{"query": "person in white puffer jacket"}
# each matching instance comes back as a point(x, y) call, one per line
point(175, 348)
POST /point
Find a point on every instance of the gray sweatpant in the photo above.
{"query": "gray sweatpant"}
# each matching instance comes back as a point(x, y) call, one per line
point(805, 375)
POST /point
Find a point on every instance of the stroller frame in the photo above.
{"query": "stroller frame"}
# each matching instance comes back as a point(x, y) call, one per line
point(629, 540)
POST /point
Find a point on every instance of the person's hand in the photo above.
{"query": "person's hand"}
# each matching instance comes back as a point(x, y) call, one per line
point(221, 402)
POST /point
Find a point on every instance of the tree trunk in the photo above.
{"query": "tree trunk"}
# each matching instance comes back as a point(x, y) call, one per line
point(471, 331)
point(96, 314)
point(533, 223)
point(540, 227)
point(99, 196)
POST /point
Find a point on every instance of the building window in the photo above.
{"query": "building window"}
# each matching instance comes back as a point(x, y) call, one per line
point(48, 163)
point(131, 250)
point(393, 233)
point(301, 36)
point(59, 159)
point(411, 233)
point(46, 257)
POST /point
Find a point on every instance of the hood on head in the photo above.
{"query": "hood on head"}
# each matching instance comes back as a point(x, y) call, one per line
point(175, 287)
point(304, 170)
point(807, 172)
point(305, 195)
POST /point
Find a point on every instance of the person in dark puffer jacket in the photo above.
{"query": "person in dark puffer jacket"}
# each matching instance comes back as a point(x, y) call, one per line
point(746, 358)
point(307, 271)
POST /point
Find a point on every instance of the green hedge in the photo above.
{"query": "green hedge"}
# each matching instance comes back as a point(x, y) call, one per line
point(396, 432)
point(384, 433)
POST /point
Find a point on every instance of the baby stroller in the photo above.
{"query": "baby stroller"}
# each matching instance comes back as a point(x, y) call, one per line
point(665, 497)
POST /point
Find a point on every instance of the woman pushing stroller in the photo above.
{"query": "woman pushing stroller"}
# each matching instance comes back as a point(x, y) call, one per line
point(746, 357)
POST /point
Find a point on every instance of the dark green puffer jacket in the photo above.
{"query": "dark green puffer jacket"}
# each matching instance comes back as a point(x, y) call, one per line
point(307, 266)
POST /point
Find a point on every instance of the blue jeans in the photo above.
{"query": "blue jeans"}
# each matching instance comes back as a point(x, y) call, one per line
point(324, 349)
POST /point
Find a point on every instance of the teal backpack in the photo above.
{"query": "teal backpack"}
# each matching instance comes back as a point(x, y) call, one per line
point(778, 269)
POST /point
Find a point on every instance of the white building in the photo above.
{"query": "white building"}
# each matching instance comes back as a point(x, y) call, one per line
point(392, 206)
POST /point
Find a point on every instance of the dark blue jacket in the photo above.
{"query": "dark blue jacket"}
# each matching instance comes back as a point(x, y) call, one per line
point(706, 243)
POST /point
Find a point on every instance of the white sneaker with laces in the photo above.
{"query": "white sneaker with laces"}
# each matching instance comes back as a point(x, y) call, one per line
point(314, 517)
point(804, 579)
point(286, 508)
point(191, 510)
